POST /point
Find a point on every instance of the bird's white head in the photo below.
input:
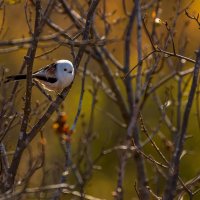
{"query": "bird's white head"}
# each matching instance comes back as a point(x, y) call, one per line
point(65, 72)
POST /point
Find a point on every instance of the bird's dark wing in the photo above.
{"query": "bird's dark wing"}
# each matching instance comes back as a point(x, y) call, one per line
point(45, 78)
point(47, 74)
point(49, 70)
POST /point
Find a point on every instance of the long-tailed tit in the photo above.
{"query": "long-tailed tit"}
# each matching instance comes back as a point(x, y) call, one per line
point(54, 77)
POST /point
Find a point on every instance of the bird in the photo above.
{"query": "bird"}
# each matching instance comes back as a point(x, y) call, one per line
point(53, 77)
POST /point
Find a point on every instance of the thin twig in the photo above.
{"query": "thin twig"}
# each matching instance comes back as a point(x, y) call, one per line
point(197, 18)
point(81, 94)
point(174, 166)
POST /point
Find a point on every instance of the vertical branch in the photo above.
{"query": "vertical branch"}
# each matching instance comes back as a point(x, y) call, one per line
point(81, 95)
point(128, 83)
point(27, 110)
point(86, 32)
point(139, 50)
point(122, 164)
point(133, 130)
point(68, 163)
point(4, 162)
point(139, 161)
point(179, 104)
point(29, 62)
point(198, 106)
point(174, 166)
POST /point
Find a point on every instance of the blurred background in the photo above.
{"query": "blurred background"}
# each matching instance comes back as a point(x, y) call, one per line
point(100, 125)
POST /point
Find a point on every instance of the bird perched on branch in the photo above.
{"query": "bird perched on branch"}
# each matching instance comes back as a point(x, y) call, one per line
point(53, 77)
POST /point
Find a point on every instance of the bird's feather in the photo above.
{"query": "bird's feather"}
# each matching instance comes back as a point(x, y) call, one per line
point(48, 71)
point(15, 77)
point(45, 78)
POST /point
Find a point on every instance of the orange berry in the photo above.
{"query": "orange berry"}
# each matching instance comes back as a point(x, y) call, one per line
point(65, 128)
point(63, 117)
point(43, 141)
point(55, 125)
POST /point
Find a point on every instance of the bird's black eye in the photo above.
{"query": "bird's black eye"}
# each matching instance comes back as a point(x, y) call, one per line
point(65, 69)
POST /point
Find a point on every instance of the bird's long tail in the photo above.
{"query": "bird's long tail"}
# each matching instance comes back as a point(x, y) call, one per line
point(15, 78)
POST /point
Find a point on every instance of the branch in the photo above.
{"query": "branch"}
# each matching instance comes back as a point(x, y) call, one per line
point(128, 80)
point(139, 51)
point(81, 95)
point(86, 32)
point(157, 49)
point(27, 110)
point(53, 106)
point(170, 189)
point(197, 19)
point(65, 91)
point(66, 189)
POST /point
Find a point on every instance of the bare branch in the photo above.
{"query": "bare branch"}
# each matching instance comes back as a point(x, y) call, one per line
point(197, 18)
point(174, 165)
point(27, 110)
